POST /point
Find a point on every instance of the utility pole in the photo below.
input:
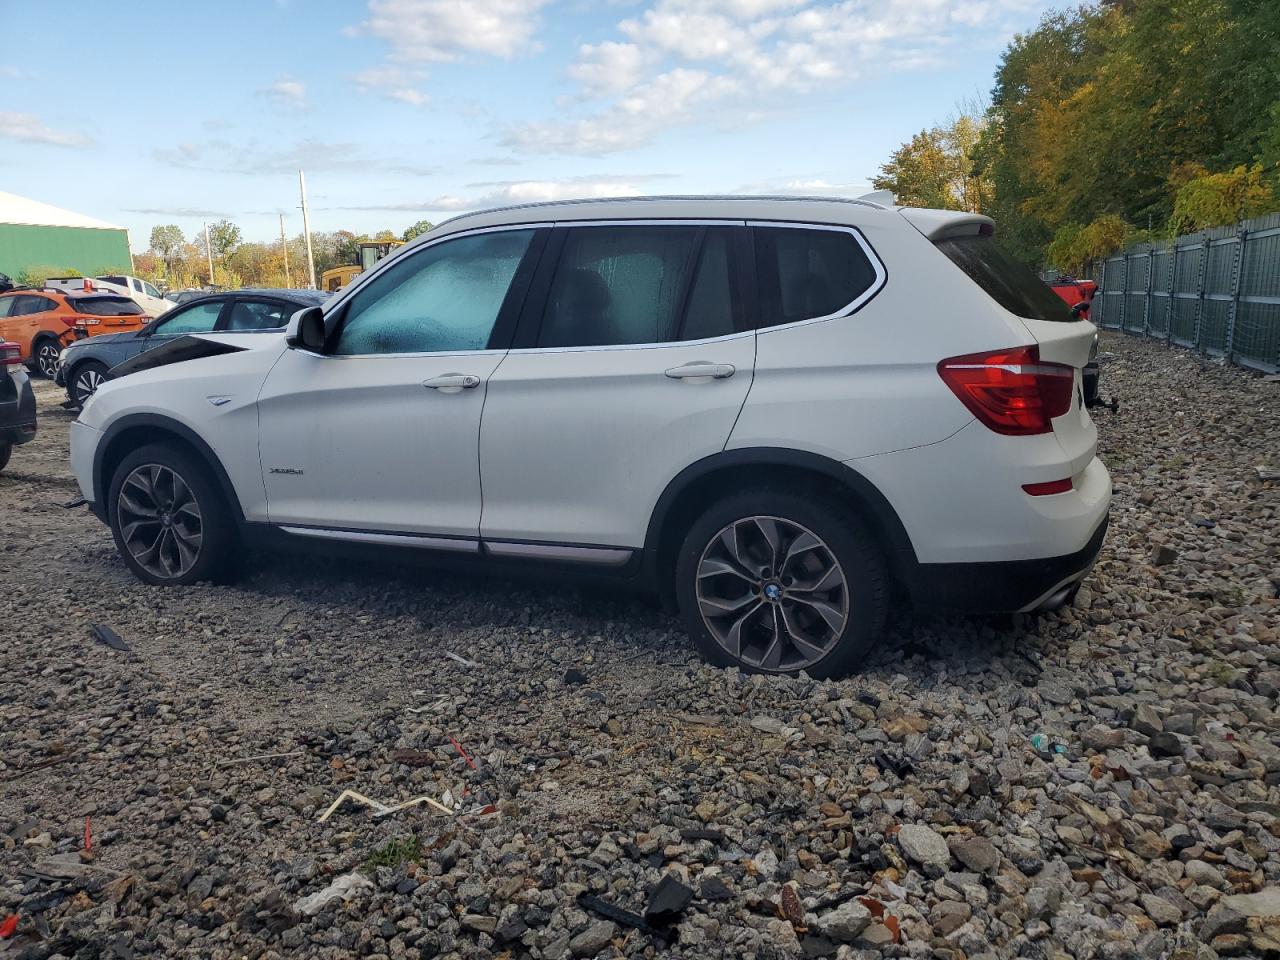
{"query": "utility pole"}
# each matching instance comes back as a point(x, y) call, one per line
point(306, 229)
point(208, 252)
point(284, 245)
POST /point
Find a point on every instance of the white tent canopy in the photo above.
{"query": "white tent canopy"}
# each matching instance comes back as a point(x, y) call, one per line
point(16, 209)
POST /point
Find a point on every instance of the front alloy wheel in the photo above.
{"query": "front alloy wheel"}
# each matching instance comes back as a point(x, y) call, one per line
point(772, 594)
point(47, 353)
point(160, 521)
point(171, 521)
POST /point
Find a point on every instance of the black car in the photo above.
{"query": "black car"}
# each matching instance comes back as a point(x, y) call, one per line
point(84, 363)
point(17, 402)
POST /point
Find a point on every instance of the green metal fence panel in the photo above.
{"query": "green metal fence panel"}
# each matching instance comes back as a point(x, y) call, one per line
point(1217, 291)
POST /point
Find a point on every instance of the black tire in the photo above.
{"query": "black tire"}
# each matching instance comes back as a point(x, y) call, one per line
point(79, 391)
point(6, 451)
point(842, 537)
point(218, 547)
point(44, 356)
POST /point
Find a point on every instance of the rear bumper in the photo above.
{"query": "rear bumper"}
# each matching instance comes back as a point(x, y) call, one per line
point(1006, 585)
point(18, 411)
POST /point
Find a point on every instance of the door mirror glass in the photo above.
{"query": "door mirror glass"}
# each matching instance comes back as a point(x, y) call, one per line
point(306, 330)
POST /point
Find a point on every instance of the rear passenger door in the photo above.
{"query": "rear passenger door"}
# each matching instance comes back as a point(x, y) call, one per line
point(632, 360)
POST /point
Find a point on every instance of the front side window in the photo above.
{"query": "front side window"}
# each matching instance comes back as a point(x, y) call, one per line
point(620, 285)
point(258, 315)
point(27, 305)
point(807, 272)
point(445, 298)
point(198, 318)
point(6, 305)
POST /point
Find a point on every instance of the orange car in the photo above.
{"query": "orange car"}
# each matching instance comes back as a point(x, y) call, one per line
point(42, 322)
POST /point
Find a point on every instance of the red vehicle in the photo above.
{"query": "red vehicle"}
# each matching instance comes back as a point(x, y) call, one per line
point(1075, 291)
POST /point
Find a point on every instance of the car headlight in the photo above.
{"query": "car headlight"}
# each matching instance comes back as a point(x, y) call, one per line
point(1093, 347)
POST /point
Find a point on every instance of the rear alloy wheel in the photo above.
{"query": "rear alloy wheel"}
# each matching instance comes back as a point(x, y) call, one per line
point(170, 522)
point(46, 358)
point(775, 583)
point(85, 380)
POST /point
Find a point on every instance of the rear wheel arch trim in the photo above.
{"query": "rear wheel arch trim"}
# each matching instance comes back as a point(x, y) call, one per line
point(882, 516)
point(157, 427)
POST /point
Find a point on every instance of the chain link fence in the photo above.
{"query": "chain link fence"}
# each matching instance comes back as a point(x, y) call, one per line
point(1217, 291)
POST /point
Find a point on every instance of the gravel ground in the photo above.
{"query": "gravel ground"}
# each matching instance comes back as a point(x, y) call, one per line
point(1100, 782)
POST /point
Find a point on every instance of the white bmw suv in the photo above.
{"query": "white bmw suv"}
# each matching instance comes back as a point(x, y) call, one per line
point(780, 414)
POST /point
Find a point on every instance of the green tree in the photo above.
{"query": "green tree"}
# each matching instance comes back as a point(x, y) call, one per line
point(1214, 199)
point(419, 228)
point(167, 241)
point(937, 168)
point(224, 236)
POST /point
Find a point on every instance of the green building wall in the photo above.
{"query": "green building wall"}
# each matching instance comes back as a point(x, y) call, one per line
point(86, 249)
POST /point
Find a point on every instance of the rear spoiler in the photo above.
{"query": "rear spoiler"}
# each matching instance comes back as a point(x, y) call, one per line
point(945, 224)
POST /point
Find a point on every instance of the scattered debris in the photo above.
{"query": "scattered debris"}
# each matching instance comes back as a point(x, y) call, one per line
point(899, 766)
point(1267, 473)
point(381, 809)
point(104, 634)
point(790, 907)
point(618, 915)
point(462, 660)
point(413, 758)
point(262, 756)
point(72, 504)
point(345, 887)
point(715, 836)
point(574, 677)
point(465, 756)
point(669, 899)
point(40, 765)
point(8, 927)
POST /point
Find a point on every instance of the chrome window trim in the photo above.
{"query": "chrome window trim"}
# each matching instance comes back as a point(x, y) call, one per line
point(409, 251)
point(604, 556)
point(424, 542)
point(853, 306)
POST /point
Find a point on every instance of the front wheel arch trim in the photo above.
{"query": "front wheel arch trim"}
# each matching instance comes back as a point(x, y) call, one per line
point(156, 428)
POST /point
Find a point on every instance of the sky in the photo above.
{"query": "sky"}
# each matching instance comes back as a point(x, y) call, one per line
point(142, 113)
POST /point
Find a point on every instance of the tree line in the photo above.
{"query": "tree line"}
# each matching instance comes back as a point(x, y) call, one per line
point(181, 262)
point(1116, 122)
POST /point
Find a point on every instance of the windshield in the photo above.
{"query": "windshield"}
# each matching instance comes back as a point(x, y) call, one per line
point(1007, 281)
point(107, 306)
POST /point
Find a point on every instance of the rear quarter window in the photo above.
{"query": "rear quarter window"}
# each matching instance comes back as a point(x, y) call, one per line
point(806, 273)
point(1005, 280)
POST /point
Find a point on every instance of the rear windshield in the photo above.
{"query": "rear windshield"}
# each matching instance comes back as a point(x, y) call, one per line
point(107, 306)
point(1007, 281)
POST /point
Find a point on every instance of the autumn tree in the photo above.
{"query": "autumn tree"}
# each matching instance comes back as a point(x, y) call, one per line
point(224, 236)
point(936, 168)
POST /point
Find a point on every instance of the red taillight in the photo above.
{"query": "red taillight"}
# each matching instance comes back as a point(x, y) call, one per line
point(1048, 488)
point(1011, 391)
point(10, 355)
point(70, 320)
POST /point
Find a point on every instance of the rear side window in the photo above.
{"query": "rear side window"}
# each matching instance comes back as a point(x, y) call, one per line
point(258, 315)
point(28, 305)
point(1007, 281)
point(622, 285)
point(106, 306)
point(808, 272)
point(119, 281)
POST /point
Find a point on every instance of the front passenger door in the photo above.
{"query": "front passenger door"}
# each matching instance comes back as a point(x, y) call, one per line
point(375, 438)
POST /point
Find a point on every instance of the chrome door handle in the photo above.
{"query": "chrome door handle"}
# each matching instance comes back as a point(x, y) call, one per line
point(699, 370)
point(452, 382)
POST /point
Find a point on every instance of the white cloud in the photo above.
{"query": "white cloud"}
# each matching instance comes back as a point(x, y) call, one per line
point(685, 62)
point(508, 192)
point(15, 73)
point(28, 128)
point(432, 31)
point(287, 92)
point(253, 157)
point(394, 83)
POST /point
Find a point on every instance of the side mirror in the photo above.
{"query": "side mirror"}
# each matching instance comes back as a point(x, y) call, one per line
point(306, 330)
point(1080, 308)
